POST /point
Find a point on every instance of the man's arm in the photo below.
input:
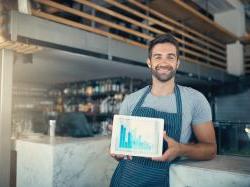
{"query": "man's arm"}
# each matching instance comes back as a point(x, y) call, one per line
point(205, 149)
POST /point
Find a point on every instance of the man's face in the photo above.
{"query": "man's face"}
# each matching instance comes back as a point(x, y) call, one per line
point(163, 62)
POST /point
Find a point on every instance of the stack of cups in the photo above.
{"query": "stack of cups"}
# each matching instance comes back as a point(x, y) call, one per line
point(52, 127)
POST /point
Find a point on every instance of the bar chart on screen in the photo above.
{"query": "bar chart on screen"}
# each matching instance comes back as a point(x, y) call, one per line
point(137, 136)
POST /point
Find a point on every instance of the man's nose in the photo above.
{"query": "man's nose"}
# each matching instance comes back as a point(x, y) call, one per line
point(165, 60)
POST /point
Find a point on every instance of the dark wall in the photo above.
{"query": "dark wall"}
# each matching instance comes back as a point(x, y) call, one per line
point(233, 107)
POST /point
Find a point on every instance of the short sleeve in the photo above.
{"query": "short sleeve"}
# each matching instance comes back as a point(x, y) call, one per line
point(201, 112)
point(130, 102)
point(125, 107)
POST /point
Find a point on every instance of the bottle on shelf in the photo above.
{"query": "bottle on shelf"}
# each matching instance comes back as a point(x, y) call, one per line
point(89, 89)
point(81, 90)
point(98, 99)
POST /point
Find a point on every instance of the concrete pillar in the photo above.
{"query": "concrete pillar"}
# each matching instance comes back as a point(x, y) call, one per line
point(6, 76)
point(234, 21)
point(235, 60)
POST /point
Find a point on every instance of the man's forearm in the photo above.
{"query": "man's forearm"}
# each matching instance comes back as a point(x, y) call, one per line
point(199, 151)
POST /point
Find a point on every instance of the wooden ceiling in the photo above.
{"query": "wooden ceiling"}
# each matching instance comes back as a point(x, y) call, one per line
point(187, 15)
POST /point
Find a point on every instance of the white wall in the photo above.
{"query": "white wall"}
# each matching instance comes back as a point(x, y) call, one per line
point(233, 20)
point(235, 60)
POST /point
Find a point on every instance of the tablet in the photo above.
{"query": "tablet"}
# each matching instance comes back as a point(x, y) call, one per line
point(137, 136)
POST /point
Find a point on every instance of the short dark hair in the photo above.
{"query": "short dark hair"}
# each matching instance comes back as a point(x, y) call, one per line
point(164, 38)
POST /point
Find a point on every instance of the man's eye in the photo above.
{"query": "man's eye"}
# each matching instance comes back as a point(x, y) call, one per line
point(171, 58)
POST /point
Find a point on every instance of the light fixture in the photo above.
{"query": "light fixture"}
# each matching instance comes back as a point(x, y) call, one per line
point(247, 130)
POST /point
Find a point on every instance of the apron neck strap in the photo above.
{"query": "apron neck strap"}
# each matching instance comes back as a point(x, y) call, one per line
point(177, 97)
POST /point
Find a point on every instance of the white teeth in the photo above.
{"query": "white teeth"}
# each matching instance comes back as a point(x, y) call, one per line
point(164, 68)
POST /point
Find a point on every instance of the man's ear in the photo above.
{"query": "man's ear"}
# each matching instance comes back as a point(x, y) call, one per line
point(149, 63)
point(178, 63)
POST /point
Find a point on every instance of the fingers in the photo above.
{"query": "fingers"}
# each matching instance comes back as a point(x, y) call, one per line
point(164, 157)
point(157, 158)
point(116, 156)
point(119, 157)
point(165, 137)
point(110, 127)
point(129, 157)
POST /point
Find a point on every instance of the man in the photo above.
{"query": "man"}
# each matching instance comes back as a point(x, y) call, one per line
point(184, 111)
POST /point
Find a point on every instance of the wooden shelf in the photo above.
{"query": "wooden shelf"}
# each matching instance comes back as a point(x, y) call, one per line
point(182, 12)
point(194, 44)
point(93, 96)
point(18, 46)
point(245, 39)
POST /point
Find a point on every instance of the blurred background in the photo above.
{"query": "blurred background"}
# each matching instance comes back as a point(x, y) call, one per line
point(74, 61)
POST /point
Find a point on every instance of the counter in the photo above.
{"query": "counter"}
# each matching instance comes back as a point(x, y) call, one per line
point(223, 171)
point(43, 161)
point(85, 162)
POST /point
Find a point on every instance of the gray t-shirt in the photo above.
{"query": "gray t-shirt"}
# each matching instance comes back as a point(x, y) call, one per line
point(195, 107)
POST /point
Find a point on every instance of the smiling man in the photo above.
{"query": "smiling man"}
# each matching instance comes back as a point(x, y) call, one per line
point(184, 110)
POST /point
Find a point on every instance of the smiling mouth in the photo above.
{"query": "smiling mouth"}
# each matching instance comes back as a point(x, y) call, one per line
point(163, 69)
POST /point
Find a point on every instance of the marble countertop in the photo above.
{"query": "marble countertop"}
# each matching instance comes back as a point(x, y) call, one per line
point(57, 140)
point(220, 163)
point(44, 161)
point(225, 163)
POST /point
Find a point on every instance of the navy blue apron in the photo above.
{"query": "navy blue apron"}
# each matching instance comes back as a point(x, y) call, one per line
point(143, 172)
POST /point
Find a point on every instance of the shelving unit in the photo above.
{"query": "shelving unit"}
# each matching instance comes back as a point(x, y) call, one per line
point(29, 108)
point(98, 99)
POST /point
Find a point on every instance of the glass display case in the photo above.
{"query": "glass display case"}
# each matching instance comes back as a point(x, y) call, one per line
point(233, 137)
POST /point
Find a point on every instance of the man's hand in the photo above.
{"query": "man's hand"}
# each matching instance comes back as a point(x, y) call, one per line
point(117, 157)
point(110, 127)
point(121, 157)
point(172, 152)
point(205, 149)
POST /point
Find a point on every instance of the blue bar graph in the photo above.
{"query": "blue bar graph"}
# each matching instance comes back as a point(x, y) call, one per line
point(130, 140)
point(137, 136)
